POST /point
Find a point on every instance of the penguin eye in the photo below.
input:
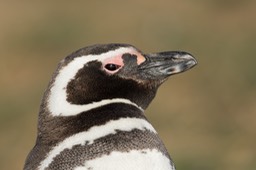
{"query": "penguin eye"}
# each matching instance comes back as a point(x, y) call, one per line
point(112, 67)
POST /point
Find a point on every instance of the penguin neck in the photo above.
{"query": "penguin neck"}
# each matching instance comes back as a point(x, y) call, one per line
point(53, 129)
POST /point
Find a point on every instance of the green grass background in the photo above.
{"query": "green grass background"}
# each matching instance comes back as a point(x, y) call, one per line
point(206, 116)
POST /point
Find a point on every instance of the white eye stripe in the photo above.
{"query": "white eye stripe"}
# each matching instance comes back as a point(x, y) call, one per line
point(57, 103)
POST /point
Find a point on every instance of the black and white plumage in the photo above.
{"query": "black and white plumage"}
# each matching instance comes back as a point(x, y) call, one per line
point(92, 113)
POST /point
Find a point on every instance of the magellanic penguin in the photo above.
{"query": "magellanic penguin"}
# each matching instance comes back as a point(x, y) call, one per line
point(92, 113)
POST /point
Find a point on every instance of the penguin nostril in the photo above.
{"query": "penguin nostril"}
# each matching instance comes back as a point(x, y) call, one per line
point(112, 67)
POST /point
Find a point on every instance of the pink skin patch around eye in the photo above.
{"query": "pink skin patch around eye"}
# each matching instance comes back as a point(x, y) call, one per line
point(114, 60)
point(118, 60)
point(140, 59)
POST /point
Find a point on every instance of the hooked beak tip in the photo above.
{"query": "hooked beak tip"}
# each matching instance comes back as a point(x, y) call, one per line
point(191, 61)
point(182, 61)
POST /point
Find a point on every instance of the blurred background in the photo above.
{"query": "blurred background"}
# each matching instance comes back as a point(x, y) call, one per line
point(206, 116)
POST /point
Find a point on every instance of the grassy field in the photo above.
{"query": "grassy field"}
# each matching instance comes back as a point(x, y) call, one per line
point(206, 117)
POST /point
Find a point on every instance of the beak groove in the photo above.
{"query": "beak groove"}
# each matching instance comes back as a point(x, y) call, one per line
point(164, 64)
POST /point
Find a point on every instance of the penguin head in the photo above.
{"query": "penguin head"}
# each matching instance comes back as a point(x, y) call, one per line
point(101, 74)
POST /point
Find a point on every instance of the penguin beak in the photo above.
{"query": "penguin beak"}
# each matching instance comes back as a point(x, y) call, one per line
point(164, 64)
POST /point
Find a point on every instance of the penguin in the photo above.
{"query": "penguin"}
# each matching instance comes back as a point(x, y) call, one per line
point(92, 113)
